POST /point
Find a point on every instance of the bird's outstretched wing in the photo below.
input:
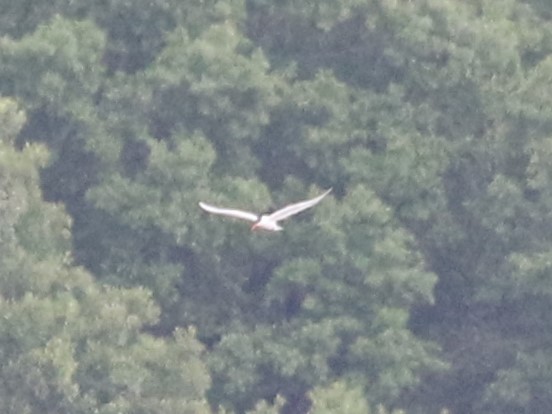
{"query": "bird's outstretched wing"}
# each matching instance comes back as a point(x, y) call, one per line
point(295, 208)
point(244, 215)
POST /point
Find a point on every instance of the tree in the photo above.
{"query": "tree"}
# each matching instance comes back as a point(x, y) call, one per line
point(447, 122)
point(205, 115)
point(339, 397)
point(69, 344)
point(429, 119)
point(336, 308)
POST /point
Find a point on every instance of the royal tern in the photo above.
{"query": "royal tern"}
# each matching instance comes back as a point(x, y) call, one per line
point(266, 221)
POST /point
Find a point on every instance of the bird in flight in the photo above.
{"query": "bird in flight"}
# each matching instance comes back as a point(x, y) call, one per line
point(266, 221)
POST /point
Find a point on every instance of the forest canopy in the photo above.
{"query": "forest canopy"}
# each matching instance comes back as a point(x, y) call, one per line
point(421, 284)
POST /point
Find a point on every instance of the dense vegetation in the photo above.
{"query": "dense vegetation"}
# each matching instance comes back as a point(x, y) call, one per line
point(423, 283)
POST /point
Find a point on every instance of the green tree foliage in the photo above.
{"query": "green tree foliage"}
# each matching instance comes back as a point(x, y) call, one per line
point(339, 398)
point(153, 143)
point(68, 344)
point(451, 101)
point(338, 306)
point(422, 281)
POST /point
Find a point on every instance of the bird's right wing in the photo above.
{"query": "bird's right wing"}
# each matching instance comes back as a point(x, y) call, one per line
point(292, 209)
point(244, 215)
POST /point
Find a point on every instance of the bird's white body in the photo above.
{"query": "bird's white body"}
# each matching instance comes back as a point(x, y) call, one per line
point(266, 221)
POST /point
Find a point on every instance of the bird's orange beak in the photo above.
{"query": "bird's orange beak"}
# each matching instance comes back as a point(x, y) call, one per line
point(254, 227)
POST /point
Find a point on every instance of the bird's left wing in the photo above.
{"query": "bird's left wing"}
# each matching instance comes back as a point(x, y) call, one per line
point(240, 214)
point(295, 208)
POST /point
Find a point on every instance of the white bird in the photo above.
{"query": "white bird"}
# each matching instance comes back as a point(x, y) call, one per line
point(266, 221)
